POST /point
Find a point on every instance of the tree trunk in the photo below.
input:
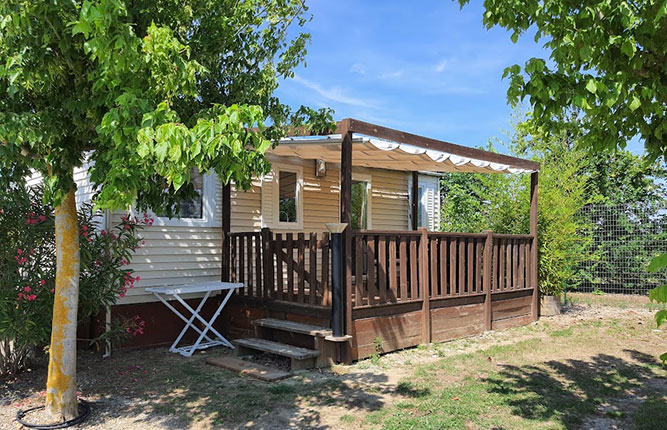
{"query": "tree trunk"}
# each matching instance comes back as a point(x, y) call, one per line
point(61, 401)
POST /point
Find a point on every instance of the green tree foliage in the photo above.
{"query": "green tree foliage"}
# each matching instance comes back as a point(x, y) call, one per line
point(621, 177)
point(659, 294)
point(153, 88)
point(475, 202)
point(607, 59)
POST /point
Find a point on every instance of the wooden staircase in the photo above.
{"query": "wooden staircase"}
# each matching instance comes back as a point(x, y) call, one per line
point(306, 345)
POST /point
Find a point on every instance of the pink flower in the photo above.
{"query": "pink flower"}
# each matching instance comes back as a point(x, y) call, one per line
point(138, 278)
point(127, 226)
point(122, 294)
point(19, 251)
point(42, 282)
point(31, 297)
point(27, 289)
point(20, 296)
point(84, 228)
point(51, 290)
point(42, 218)
point(103, 232)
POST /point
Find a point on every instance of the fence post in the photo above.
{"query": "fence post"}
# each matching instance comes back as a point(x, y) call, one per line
point(488, 258)
point(533, 246)
point(267, 263)
point(423, 284)
point(226, 227)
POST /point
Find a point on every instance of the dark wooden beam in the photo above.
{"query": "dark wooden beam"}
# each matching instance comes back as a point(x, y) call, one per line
point(226, 228)
point(368, 129)
point(415, 201)
point(346, 217)
point(533, 247)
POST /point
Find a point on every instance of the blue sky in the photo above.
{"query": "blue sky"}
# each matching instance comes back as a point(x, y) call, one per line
point(425, 67)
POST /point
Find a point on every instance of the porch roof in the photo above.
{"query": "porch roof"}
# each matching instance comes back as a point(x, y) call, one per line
point(381, 147)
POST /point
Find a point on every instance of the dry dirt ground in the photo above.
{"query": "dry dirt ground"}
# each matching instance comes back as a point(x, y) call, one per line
point(594, 367)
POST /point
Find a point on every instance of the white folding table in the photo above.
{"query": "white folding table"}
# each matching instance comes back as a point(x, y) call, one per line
point(175, 292)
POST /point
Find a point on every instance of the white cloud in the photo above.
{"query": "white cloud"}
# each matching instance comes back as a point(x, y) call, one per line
point(358, 68)
point(334, 94)
point(441, 66)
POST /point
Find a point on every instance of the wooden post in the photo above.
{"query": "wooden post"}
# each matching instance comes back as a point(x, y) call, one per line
point(423, 285)
point(488, 258)
point(345, 217)
point(226, 227)
point(415, 200)
point(267, 263)
point(533, 247)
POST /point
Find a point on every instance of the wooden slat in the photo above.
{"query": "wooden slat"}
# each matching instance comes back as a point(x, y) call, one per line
point(508, 265)
point(489, 246)
point(423, 286)
point(522, 265)
point(358, 243)
point(312, 283)
point(242, 266)
point(501, 266)
point(478, 266)
point(290, 266)
point(258, 265)
point(278, 246)
point(443, 267)
point(301, 251)
point(453, 287)
point(326, 286)
point(233, 241)
point(414, 271)
point(433, 267)
point(403, 263)
point(461, 269)
point(370, 277)
point(469, 265)
point(391, 268)
point(382, 268)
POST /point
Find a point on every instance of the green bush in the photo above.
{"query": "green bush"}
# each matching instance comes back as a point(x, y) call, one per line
point(501, 203)
point(27, 272)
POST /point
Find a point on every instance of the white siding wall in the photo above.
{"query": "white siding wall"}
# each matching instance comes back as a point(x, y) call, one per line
point(176, 254)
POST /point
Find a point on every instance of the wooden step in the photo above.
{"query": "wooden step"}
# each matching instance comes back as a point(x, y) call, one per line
point(292, 326)
point(243, 367)
point(293, 352)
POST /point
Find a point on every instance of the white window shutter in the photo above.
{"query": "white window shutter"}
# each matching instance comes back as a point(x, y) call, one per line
point(430, 201)
point(268, 197)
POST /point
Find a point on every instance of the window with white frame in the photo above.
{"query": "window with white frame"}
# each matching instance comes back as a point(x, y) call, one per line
point(361, 202)
point(197, 210)
point(288, 205)
point(422, 216)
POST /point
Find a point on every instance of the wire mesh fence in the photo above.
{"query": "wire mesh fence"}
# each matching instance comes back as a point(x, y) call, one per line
point(625, 238)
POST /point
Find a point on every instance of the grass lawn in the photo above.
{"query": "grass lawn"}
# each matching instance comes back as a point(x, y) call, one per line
point(594, 367)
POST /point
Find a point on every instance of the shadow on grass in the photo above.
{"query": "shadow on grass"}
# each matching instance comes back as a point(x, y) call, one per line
point(569, 391)
point(173, 392)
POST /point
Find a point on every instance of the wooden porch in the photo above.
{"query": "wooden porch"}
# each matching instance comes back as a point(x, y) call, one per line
point(408, 287)
point(399, 288)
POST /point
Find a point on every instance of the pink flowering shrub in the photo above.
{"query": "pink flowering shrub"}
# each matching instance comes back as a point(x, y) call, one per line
point(27, 272)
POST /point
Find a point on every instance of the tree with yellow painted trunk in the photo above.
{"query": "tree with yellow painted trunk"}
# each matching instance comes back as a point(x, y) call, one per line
point(148, 91)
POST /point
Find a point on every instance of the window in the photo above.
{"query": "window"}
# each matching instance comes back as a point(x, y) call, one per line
point(361, 202)
point(198, 210)
point(287, 204)
point(422, 217)
point(359, 219)
point(192, 207)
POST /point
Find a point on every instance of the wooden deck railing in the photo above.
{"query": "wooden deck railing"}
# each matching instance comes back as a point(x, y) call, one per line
point(288, 267)
point(388, 267)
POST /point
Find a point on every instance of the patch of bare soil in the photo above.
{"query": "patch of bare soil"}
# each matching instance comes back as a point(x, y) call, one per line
point(158, 390)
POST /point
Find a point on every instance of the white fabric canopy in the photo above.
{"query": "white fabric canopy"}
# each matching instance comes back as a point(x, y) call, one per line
point(380, 153)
